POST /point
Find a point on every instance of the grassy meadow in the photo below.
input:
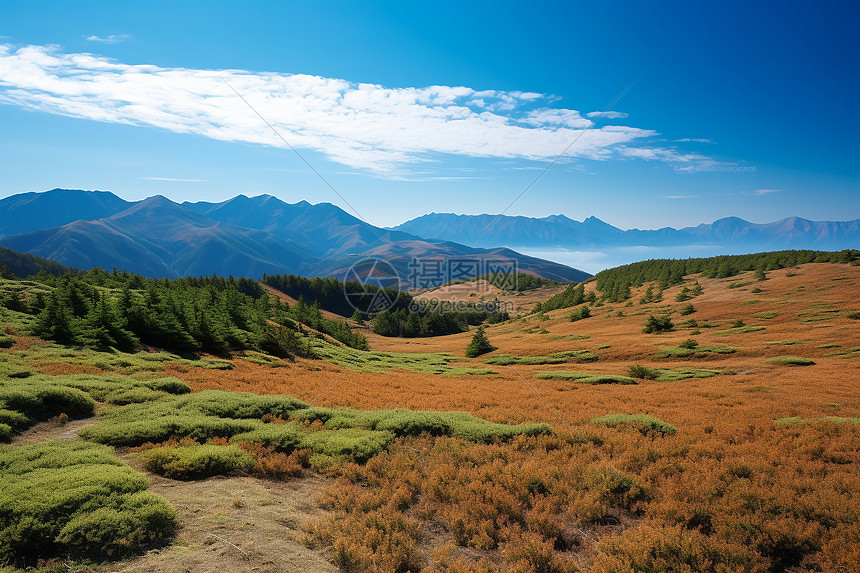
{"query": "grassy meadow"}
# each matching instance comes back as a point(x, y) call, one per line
point(727, 441)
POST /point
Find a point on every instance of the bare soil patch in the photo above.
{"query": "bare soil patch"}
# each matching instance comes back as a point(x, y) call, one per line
point(235, 524)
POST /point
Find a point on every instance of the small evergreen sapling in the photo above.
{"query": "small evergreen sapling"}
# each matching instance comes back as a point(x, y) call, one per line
point(479, 344)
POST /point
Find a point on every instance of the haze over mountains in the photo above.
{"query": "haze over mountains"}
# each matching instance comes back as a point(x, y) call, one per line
point(250, 236)
point(558, 231)
point(244, 236)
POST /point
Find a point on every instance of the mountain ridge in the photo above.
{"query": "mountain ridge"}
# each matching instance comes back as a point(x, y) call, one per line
point(251, 236)
point(559, 231)
point(243, 236)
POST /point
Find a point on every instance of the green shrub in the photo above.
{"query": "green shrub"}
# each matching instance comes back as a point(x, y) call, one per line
point(579, 314)
point(347, 434)
point(740, 330)
point(409, 422)
point(689, 344)
point(76, 499)
point(584, 377)
point(561, 375)
point(170, 385)
point(767, 314)
point(39, 399)
point(676, 374)
point(797, 420)
point(685, 294)
point(136, 432)
point(365, 361)
point(145, 520)
point(6, 341)
point(349, 443)
point(670, 374)
point(554, 358)
point(697, 352)
point(637, 371)
point(688, 309)
point(655, 324)
point(790, 361)
point(134, 395)
point(643, 422)
point(14, 419)
point(197, 461)
point(607, 379)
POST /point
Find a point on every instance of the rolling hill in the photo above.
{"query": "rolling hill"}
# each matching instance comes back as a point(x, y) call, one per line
point(23, 265)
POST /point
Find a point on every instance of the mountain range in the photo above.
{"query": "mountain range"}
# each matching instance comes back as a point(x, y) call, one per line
point(243, 236)
point(250, 236)
point(561, 232)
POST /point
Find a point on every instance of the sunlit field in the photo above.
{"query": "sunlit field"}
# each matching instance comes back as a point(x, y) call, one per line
point(728, 443)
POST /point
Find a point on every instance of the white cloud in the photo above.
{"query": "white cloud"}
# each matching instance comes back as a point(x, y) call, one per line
point(173, 179)
point(679, 196)
point(567, 117)
point(693, 140)
point(606, 115)
point(112, 39)
point(363, 126)
point(766, 191)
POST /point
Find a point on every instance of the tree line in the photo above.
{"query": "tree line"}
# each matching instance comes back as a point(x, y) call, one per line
point(614, 284)
point(404, 316)
point(333, 295)
point(192, 314)
point(430, 319)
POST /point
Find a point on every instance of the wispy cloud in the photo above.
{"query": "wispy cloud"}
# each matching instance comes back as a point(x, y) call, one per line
point(443, 178)
point(173, 179)
point(693, 140)
point(112, 39)
point(766, 191)
point(606, 114)
point(363, 126)
point(679, 196)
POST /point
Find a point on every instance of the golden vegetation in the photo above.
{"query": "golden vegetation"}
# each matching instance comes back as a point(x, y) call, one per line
point(759, 474)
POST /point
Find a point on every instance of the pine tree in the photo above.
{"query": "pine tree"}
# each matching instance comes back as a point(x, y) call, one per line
point(54, 322)
point(104, 327)
point(479, 345)
point(412, 327)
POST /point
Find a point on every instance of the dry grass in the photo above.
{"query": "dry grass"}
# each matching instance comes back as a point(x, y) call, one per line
point(729, 482)
point(726, 440)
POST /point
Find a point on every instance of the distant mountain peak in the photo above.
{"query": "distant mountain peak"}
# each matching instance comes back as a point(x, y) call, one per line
point(31, 211)
point(561, 232)
point(250, 235)
point(243, 236)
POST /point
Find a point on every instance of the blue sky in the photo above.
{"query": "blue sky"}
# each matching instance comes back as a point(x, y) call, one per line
point(733, 108)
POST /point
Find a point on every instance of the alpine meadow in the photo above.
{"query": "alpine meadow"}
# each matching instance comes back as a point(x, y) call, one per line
point(429, 288)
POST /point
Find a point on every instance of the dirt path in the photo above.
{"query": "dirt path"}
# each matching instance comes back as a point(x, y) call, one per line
point(226, 524)
point(53, 431)
point(235, 524)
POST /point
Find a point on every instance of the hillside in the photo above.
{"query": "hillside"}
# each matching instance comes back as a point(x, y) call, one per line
point(22, 265)
point(681, 446)
point(241, 237)
point(482, 291)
